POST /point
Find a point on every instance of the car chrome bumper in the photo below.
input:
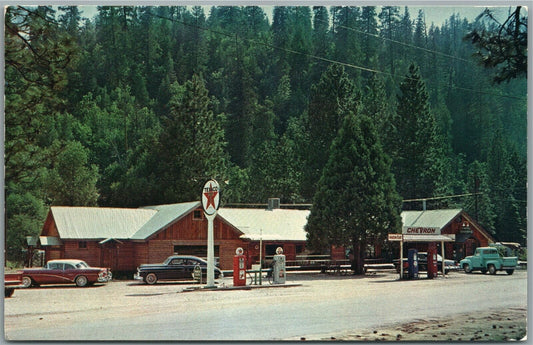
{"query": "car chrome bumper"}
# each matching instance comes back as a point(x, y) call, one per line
point(137, 276)
point(104, 279)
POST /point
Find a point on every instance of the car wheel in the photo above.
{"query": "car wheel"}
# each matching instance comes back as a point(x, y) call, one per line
point(81, 281)
point(26, 282)
point(510, 271)
point(492, 269)
point(151, 279)
point(467, 268)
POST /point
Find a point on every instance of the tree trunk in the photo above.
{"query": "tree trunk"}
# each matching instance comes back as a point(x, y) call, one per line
point(358, 259)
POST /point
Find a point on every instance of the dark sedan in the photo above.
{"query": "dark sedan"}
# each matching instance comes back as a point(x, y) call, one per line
point(177, 267)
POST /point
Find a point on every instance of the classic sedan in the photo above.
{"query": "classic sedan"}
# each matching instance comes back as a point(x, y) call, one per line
point(176, 267)
point(12, 281)
point(66, 271)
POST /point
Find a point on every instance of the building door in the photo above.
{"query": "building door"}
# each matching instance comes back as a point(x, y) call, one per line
point(109, 256)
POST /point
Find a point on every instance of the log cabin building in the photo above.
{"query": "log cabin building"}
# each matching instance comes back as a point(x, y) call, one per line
point(122, 238)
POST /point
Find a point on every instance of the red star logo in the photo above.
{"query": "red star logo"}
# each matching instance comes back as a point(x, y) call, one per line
point(210, 195)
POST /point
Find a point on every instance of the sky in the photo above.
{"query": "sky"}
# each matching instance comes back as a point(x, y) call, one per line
point(436, 14)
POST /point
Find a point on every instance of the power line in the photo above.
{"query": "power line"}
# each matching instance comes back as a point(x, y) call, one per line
point(320, 58)
point(442, 197)
point(398, 42)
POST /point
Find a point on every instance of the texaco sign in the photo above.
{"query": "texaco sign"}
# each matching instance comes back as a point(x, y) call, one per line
point(211, 197)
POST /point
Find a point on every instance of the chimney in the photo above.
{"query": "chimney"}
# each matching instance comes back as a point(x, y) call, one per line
point(273, 203)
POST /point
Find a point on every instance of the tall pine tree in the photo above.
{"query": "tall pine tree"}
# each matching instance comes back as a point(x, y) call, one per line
point(418, 158)
point(331, 99)
point(191, 143)
point(356, 201)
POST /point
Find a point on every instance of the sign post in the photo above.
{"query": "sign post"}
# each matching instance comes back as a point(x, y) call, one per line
point(210, 202)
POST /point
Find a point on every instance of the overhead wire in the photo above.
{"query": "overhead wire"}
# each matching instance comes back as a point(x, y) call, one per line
point(398, 42)
point(320, 58)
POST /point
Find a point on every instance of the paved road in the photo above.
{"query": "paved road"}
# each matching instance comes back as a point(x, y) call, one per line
point(320, 305)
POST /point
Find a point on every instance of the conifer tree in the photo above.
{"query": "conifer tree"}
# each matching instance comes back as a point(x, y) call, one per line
point(331, 99)
point(356, 202)
point(417, 154)
point(191, 143)
point(479, 205)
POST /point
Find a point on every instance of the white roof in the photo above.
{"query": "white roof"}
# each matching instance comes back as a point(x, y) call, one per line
point(141, 223)
point(269, 225)
point(430, 219)
point(99, 222)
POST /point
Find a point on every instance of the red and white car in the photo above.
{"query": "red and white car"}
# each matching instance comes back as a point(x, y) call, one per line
point(65, 271)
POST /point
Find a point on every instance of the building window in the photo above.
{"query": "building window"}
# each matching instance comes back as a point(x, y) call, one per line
point(82, 245)
point(197, 215)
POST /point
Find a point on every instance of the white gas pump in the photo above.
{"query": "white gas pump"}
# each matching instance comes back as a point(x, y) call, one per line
point(279, 273)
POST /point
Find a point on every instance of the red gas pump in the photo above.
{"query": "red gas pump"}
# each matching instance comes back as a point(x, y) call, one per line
point(239, 268)
point(433, 268)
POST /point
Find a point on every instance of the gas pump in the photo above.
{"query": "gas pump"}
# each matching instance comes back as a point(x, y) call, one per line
point(278, 270)
point(239, 268)
point(412, 259)
point(432, 261)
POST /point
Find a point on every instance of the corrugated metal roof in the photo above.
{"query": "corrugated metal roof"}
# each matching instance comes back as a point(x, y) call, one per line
point(165, 215)
point(430, 218)
point(276, 225)
point(99, 222)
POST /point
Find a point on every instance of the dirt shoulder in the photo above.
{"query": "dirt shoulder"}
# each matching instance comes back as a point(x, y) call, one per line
point(494, 325)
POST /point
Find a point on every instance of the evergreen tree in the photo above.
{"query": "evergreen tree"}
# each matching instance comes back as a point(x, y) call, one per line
point(347, 45)
point(321, 42)
point(479, 205)
point(376, 105)
point(418, 156)
point(370, 43)
point(505, 184)
point(389, 18)
point(420, 40)
point(191, 146)
point(301, 42)
point(330, 100)
point(38, 54)
point(356, 202)
point(405, 35)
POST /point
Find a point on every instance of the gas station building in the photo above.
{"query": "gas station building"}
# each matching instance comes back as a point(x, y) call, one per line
point(452, 231)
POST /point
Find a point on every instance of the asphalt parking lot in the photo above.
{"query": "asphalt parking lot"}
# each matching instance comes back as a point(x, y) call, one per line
point(310, 305)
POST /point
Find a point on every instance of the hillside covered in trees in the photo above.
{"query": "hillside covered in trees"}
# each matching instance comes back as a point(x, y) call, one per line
point(141, 105)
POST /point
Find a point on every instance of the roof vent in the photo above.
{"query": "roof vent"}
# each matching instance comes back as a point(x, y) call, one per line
point(273, 203)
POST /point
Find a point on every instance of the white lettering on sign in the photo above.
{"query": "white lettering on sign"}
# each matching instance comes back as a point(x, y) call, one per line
point(395, 237)
point(420, 230)
point(211, 197)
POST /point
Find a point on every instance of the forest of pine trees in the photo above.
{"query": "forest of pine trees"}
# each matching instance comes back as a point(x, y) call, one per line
point(141, 105)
